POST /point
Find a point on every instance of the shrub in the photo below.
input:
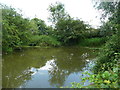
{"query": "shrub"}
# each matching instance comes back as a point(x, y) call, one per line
point(109, 55)
point(44, 40)
point(106, 79)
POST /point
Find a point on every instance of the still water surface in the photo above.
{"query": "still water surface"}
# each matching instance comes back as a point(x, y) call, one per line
point(46, 67)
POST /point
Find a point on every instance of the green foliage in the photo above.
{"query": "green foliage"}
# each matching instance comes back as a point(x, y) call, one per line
point(17, 31)
point(106, 69)
point(10, 31)
point(70, 30)
point(93, 41)
point(91, 32)
point(109, 55)
point(109, 9)
point(44, 40)
point(106, 79)
point(34, 27)
point(107, 66)
point(57, 12)
point(67, 30)
point(41, 26)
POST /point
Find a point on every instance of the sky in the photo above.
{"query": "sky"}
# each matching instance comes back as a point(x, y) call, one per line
point(82, 9)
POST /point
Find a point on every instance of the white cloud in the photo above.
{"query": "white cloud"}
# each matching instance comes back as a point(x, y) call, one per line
point(76, 8)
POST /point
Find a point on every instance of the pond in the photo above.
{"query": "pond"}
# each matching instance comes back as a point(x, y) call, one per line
point(46, 67)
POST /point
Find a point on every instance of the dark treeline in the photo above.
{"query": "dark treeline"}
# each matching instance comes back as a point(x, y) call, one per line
point(19, 31)
point(65, 30)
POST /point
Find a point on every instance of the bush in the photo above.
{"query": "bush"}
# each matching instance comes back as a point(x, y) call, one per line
point(109, 55)
point(44, 40)
point(106, 79)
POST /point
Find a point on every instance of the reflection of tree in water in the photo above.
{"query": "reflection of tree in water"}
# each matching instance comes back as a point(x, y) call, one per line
point(16, 67)
point(15, 79)
point(61, 69)
point(57, 76)
point(67, 62)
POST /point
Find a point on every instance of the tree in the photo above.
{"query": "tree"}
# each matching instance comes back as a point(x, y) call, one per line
point(66, 29)
point(10, 30)
point(42, 27)
point(57, 12)
point(70, 30)
point(109, 56)
point(111, 11)
point(16, 29)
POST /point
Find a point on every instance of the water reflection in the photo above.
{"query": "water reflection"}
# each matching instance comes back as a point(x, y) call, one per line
point(44, 68)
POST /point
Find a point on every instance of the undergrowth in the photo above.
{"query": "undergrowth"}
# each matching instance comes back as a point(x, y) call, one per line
point(44, 40)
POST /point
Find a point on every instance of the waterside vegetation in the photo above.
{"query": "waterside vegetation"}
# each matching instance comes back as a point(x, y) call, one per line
point(21, 32)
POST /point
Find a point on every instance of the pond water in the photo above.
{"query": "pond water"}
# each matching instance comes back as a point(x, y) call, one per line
point(46, 67)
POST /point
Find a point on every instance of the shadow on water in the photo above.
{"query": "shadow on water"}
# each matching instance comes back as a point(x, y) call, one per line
point(45, 68)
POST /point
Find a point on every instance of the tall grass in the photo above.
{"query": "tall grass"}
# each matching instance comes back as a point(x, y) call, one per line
point(93, 41)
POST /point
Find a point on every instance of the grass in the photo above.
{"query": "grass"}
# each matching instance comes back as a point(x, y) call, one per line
point(93, 42)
